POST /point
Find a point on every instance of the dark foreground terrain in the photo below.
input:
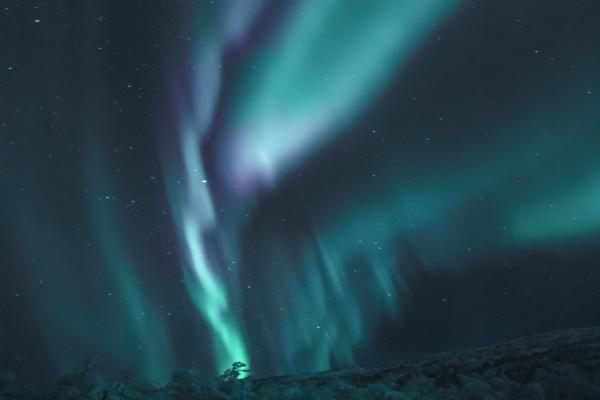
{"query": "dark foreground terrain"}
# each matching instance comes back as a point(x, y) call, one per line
point(556, 365)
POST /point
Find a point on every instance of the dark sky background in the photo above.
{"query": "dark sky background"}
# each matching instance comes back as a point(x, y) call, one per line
point(300, 185)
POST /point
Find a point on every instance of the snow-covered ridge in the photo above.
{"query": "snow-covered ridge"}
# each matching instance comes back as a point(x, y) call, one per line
point(561, 364)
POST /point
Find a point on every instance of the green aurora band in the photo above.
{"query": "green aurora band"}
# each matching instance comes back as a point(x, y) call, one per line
point(329, 61)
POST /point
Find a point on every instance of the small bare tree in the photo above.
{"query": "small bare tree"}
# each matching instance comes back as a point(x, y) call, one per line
point(232, 374)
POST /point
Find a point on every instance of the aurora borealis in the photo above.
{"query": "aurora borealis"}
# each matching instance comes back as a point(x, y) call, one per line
point(292, 89)
point(299, 185)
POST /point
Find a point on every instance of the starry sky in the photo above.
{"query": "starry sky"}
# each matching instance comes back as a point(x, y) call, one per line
point(299, 185)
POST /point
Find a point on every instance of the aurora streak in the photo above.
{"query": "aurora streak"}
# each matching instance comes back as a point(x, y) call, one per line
point(329, 61)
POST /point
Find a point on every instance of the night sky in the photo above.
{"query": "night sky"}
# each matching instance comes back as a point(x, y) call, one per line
point(298, 185)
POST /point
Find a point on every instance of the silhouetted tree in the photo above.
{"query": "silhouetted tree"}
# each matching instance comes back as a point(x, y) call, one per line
point(238, 368)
